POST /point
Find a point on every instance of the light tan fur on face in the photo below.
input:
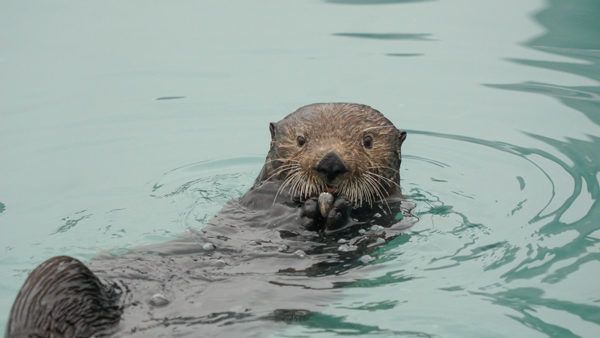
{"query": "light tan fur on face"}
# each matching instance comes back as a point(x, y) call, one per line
point(339, 127)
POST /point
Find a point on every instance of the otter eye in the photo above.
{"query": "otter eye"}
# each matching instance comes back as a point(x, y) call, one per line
point(301, 140)
point(368, 141)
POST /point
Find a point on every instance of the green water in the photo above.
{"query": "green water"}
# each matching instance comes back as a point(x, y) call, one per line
point(124, 123)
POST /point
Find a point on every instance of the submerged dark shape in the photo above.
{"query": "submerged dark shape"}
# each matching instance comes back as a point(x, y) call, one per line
point(271, 252)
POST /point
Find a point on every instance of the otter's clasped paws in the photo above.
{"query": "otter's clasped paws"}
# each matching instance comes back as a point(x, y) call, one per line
point(339, 215)
point(325, 213)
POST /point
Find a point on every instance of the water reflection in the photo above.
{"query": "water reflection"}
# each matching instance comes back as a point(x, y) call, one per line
point(526, 300)
point(391, 277)
point(389, 36)
point(169, 98)
point(318, 324)
point(71, 222)
point(372, 2)
point(584, 166)
point(404, 54)
point(572, 30)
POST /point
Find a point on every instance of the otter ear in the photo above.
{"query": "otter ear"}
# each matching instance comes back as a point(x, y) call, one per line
point(401, 136)
point(272, 130)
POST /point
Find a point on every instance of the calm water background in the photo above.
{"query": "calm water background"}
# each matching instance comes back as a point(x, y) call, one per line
point(124, 123)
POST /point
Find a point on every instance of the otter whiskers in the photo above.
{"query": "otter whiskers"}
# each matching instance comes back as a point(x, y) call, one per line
point(292, 173)
point(368, 188)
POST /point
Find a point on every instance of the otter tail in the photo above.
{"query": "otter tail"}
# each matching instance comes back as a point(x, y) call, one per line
point(63, 298)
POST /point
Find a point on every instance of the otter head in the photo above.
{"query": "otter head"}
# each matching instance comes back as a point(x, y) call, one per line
point(345, 149)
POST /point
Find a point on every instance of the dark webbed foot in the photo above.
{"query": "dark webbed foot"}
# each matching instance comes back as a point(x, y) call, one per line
point(63, 298)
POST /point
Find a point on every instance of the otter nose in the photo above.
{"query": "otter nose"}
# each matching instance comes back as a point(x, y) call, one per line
point(331, 166)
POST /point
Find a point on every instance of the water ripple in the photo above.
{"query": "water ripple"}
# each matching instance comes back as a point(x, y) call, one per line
point(549, 218)
point(202, 188)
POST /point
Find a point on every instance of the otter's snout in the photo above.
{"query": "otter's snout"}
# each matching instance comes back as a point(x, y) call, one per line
point(331, 166)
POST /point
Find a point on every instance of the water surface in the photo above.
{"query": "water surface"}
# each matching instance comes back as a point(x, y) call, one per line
point(125, 124)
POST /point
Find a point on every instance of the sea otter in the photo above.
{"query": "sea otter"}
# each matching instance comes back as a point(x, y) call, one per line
point(351, 151)
point(329, 191)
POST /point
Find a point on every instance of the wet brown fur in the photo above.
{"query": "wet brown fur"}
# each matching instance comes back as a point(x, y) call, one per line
point(373, 174)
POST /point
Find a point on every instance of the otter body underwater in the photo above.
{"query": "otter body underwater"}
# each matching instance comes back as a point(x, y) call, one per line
point(327, 194)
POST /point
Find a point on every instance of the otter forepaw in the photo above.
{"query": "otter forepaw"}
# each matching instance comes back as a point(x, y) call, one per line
point(310, 215)
point(339, 215)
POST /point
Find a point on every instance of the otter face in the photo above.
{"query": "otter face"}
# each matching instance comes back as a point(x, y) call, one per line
point(345, 149)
